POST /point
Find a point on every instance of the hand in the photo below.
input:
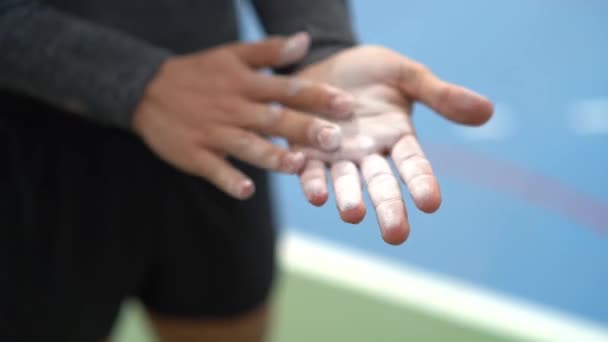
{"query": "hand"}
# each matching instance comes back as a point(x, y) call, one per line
point(203, 107)
point(385, 85)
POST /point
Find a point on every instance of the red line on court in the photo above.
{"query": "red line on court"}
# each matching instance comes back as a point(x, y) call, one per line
point(506, 177)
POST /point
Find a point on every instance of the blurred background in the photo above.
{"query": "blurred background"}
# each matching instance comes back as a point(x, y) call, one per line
point(519, 249)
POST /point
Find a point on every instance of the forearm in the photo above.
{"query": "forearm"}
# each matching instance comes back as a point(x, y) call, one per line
point(81, 67)
point(327, 21)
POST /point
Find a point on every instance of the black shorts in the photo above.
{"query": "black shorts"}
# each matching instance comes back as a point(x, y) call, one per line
point(89, 216)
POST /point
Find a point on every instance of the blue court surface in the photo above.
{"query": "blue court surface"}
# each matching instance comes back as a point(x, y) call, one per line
point(525, 210)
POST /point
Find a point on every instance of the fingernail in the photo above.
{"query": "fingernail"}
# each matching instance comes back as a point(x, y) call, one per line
point(329, 138)
point(245, 189)
point(295, 48)
point(343, 104)
point(392, 219)
point(293, 162)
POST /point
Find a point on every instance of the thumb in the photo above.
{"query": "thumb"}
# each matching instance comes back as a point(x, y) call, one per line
point(454, 102)
point(274, 52)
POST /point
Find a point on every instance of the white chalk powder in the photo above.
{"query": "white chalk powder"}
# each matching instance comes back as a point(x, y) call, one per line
point(348, 192)
point(421, 189)
point(390, 215)
point(314, 188)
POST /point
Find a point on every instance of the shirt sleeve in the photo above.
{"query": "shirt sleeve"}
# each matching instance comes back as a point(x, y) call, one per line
point(327, 21)
point(84, 68)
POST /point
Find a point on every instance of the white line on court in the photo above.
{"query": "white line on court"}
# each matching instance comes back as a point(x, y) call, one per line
point(443, 297)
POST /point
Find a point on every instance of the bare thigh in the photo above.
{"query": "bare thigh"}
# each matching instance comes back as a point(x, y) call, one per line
point(248, 327)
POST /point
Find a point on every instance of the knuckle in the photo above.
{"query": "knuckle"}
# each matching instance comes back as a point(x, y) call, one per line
point(386, 189)
point(295, 86)
point(408, 159)
point(247, 79)
point(214, 173)
point(244, 141)
point(272, 157)
point(382, 177)
point(272, 51)
point(215, 57)
point(271, 48)
point(420, 68)
point(201, 168)
point(228, 108)
point(270, 117)
point(275, 42)
point(223, 178)
point(207, 138)
point(326, 93)
point(415, 167)
point(412, 72)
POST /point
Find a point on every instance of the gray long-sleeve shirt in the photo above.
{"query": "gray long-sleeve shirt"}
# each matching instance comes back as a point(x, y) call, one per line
point(94, 58)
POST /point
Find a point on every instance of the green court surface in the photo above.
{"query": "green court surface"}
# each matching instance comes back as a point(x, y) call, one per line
point(310, 310)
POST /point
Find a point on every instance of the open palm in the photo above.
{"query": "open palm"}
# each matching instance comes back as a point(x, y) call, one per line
point(385, 85)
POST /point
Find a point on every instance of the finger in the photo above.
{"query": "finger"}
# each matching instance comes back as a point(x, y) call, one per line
point(384, 190)
point(347, 186)
point(304, 95)
point(224, 176)
point(314, 182)
point(296, 127)
point(273, 52)
point(416, 172)
point(454, 102)
point(255, 150)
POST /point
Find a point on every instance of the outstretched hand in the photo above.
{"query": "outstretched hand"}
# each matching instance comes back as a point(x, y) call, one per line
point(385, 85)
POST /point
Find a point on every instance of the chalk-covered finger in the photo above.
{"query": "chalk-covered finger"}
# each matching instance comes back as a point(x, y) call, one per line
point(305, 95)
point(224, 176)
point(295, 127)
point(314, 182)
point(347, 187)
point(273, 51)
point(257, 151)
point(416, 172)
point(385, 193)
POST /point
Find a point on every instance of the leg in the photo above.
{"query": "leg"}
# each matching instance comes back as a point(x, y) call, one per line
point(215, 265)
point(248, 327)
